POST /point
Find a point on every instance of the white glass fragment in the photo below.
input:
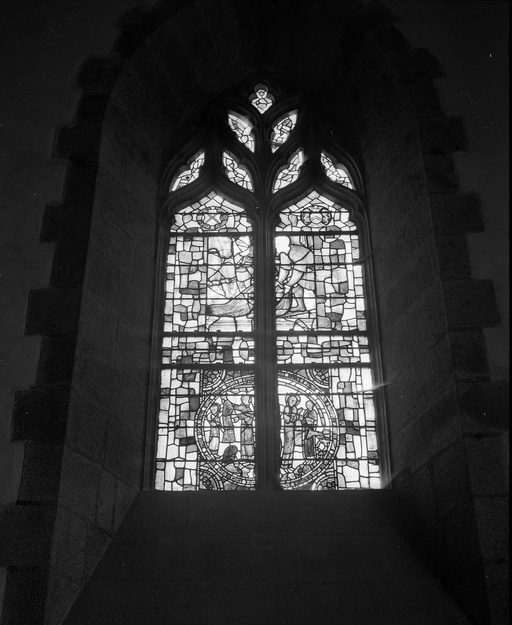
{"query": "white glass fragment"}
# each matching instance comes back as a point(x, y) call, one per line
point(289, 173)
point(282, 129)
point(242, 128)
point(261, 98)
point(236, 173)
point(188, 174)
point(336, 172)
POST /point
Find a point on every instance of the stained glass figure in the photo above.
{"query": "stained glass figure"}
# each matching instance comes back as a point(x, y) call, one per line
point(242, 128)
point(289, 173)
point(328, 434)
point(336, 172)
point(261, 98)
point(187, 174)
point(236, 173)
point(206, 424)
point(282, 129)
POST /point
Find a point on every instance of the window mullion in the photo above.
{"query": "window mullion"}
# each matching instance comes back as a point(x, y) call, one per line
point(267, 443)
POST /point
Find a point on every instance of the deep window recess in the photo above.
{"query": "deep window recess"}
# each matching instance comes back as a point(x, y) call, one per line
point(266, 373)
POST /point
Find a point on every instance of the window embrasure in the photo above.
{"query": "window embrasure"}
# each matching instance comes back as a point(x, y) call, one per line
point(266, 373)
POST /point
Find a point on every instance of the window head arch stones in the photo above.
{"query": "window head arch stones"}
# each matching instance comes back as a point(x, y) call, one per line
point(264, 297)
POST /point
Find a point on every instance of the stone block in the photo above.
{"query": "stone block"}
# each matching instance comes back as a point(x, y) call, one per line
point(143, 272)
point(117, 247)
point(132, 94)
point(56, 360)
point(414, 333)
point(442, 135)
point(91, 107)
point(68, 265)
point(409, 288)
point(132, 355)
point(492, 518)
point(97, 543)
point(484, 406)
point(111, 389)
point(409, 393)
point(25, 535)
point(106, 502)
point(79, 143)
point(450, 477)
point(147, 63)
point(40, 415)
point(464, 573)
point(440, 173)
point(41, 473)
point(426, 100)
point(62, 593)
point(456, 212)
point(66, 222)
point(123, 452)
point(98, 326)
point(99, 74)
point(133, 217)
point(53, 312)
point(25, 596)
point(86, 427)
point(497, 582)
point(469, 354)
point(68, 545)
point(419, 65)
point(487, 458)
point(425, 436)
point(80, 483)
point(117, 292)
point(471, 303)
point(132, 139)
point(453, 255)
point(125, 495)
point(408, 241)
point(417, 493)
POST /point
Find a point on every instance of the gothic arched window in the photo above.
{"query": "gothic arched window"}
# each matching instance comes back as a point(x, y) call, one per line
point(266, 379)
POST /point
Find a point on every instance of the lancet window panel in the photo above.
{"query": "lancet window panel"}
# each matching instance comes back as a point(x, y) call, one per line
point(206, 431)
point(328, 428)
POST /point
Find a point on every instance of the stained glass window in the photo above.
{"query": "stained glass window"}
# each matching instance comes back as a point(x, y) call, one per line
point(187, 174)
point(336, 172)
point(242, 128)
point(290, 172)
point(266, 357)
point(282, 130)
point(235, 172)
point(261, 98)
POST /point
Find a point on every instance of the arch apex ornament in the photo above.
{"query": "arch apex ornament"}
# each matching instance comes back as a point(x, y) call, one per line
point(266, 364)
